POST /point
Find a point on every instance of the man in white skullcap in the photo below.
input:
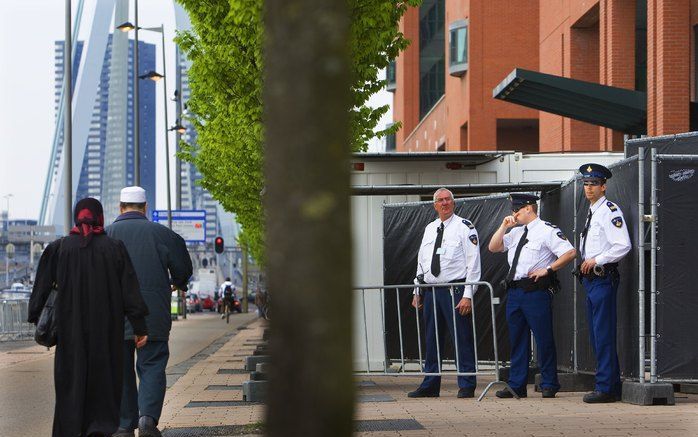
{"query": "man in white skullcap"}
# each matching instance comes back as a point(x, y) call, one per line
point(162, 264)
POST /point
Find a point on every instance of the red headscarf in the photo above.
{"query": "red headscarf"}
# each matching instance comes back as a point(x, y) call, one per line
point(89, 219)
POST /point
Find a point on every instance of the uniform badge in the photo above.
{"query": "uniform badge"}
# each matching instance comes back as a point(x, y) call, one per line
point(611, 206)
point(589, 169)
point(473, 239)
point(550, 224)
point(562, 236)
point(468, 224)
point(617, 222)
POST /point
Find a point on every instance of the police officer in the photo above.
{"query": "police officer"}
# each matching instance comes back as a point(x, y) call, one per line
point(604, 241)
point(449, 252)
point(536, 251)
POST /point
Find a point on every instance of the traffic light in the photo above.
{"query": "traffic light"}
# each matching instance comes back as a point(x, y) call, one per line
point(219, 244)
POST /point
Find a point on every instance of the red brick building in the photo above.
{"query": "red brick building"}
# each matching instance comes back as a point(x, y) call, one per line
point(642, 52)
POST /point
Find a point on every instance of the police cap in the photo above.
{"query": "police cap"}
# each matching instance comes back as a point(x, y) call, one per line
point(595, 171)
point(519, 200)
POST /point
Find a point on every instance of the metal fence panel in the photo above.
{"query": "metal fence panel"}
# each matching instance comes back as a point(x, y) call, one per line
point(13, 320)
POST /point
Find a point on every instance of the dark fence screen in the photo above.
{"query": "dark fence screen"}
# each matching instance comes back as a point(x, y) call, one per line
point(403, 229)
point(677, 259)
point(677, 299)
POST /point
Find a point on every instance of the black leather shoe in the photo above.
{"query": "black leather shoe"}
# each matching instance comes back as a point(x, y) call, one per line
point(147, 427)
point(506, 394)
point(598, 397)
point(466, 392)
point(122, 432)
point(548, 393)
point(423, 393)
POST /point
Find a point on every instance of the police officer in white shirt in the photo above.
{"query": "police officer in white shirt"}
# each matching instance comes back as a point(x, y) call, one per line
point(536, 251)
point(450, 252)
point(604, 241)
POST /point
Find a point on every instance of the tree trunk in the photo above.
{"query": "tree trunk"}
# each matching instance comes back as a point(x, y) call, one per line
point(306, 99)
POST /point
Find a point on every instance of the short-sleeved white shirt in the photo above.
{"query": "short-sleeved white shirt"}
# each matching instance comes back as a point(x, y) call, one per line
point(607, 240)
point(461, 252)
point(546, 243)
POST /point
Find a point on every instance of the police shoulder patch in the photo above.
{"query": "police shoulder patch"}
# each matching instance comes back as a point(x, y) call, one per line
point(617, 222)
point(473, 239)
point(562, 236)
point(550, 224)
point(612, 206)
point(468, 223)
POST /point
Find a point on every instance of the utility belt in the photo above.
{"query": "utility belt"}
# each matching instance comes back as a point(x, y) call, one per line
point(599, 271)
point(420, 279)
point(549, 282)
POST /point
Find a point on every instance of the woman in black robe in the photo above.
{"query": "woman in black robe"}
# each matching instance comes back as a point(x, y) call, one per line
point(96, 287)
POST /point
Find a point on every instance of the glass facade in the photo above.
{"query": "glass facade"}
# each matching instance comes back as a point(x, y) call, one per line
point(458, 45)
point(432, 54)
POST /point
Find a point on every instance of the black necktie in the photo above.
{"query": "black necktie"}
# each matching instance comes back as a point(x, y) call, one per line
point(585, 231)
point(522, 243)
point(436, 257)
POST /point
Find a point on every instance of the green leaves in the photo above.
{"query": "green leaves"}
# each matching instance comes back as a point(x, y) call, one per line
point(225, 78)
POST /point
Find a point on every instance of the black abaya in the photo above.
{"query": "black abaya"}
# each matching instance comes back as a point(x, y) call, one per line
point(97, 286)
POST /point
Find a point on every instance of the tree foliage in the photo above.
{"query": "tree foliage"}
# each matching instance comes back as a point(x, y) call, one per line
point(225, 107)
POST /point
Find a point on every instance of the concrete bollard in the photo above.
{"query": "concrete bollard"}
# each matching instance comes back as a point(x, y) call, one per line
point(251, 362)
point(254, 391)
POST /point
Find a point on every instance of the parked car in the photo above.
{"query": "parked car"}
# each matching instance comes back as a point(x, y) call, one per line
point(207, 302)
point(193, 303)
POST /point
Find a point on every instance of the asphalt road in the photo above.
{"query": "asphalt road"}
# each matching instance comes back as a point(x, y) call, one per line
point(26, 388)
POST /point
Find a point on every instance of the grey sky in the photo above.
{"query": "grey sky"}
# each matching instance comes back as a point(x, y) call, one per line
point(28, 29)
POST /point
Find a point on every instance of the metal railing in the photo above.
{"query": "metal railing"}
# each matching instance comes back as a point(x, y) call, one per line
point(13, 320)
point(450, 288)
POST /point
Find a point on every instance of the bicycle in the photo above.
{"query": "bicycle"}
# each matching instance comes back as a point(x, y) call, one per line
point(227, 310)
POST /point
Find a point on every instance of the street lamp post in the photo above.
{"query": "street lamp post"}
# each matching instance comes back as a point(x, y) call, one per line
point(180, 130)
point(154, 76)
point(68, 119)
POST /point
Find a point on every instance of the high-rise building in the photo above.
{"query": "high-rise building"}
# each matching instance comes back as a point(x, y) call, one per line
point(110, 135)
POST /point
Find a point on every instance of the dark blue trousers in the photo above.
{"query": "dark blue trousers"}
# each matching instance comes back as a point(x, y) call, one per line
point(601, 311)
point(148, 398)
point(444, 320)
point(531, 312)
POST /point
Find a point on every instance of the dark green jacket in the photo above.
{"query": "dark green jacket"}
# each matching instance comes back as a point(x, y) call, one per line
point(160, 258)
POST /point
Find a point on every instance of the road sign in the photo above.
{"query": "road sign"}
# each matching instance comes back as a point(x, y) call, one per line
point(190, 224)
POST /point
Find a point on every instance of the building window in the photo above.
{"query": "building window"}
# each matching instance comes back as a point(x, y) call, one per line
point(390, 77)
point(390, 141)
point(458, 53)
point(432, 54)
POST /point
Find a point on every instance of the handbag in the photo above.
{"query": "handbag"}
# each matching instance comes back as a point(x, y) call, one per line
point(46, 333)
point(47, 326)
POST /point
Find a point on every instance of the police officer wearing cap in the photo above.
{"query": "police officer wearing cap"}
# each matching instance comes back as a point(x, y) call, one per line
point(449, 252)
point(536, 250)
point(604, 241)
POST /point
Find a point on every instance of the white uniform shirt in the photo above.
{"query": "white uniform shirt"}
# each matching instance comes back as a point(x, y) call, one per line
point(546, 243)
point(461, 253)
point(607, 240)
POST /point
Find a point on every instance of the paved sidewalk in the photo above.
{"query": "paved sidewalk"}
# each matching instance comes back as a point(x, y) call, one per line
point(215, 379)
point(199, 399)
point(21, 352)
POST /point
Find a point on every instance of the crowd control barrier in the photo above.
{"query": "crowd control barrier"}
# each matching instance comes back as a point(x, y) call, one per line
point(482, 368)
point(13, 320)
